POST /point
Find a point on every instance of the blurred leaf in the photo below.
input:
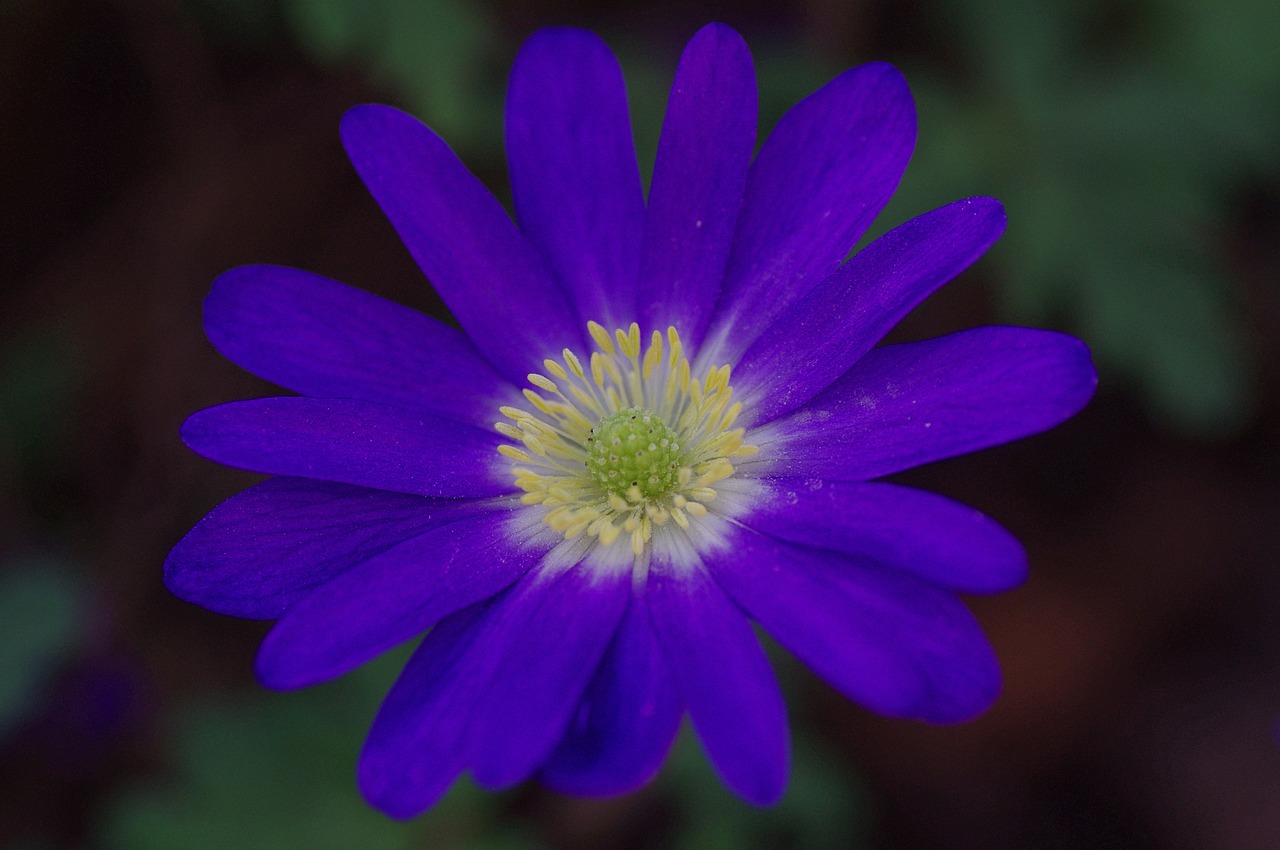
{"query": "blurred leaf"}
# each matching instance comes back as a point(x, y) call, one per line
point(823, 809)
point(277, 772)
point(1116, 165)
point(433, 52)
point(38, 382)
point(42, 608)
point(251, 21)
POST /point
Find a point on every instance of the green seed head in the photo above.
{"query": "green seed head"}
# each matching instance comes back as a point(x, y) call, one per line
point(634, 448)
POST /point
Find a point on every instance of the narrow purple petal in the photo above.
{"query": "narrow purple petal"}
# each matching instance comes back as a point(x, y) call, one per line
point(824, 173)
point(491, 688)
point(921, 533)
point(259, 552)
point(828, 330)
point(887, 640)
point(574, 175)
point(352, 442)
point(725, 679)
point(415, 749)
point(321, 338)
point(394, 596)
point(627, 719)
point(550, 633)
point(906, 405)
point(488, 274)
point(703, 154)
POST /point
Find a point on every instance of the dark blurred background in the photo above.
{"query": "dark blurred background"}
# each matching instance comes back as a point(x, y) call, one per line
point(147, 146)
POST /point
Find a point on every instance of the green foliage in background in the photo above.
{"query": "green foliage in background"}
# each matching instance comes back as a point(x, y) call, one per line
point(39, 377)
point(266, 771)
point(823, 809)
point(1116, 136)
point(434, 52)
point(42, 611)
point(437, 56)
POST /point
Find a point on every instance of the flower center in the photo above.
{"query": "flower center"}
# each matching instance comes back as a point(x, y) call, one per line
point(630, 443)
point(634, 448)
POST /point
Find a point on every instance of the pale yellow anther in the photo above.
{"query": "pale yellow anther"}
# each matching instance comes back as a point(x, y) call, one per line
point(543, 382)
point(652, 358)
point(574, 364)
point(537, 401)
point(597, 369)
point(611, 369)
point(601, 336)
point(585, 401)
point(730, 415)
point(629, 340)
point(578, 457)
point(514, 453)
point(609, 533)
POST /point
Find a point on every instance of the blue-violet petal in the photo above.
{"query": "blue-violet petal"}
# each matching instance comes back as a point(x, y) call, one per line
point(260, 551)
point(394, 596)
point(910, 404)
point(351, 442)
point(708, 136)
point(574, 174)
point(627, 719)
point(488, 274)
point(825, 171)
point(885, 639)
point(828, 330)
point(550, 633)
point(725, 680)
point(321, 338)
point(930, 536)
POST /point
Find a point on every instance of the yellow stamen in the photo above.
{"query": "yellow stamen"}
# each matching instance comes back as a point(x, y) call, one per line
point(669, 438)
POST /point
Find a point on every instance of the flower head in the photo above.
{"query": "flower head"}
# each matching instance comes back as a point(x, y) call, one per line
point(658, 423)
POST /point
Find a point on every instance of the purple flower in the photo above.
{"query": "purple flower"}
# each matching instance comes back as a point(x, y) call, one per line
point(689, 409)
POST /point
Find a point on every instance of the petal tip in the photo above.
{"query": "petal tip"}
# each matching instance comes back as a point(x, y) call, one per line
point(394, 796)
point(722, 33)
point(554, 41)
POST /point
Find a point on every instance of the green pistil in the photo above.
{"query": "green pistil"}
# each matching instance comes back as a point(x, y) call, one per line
point(634, 448)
